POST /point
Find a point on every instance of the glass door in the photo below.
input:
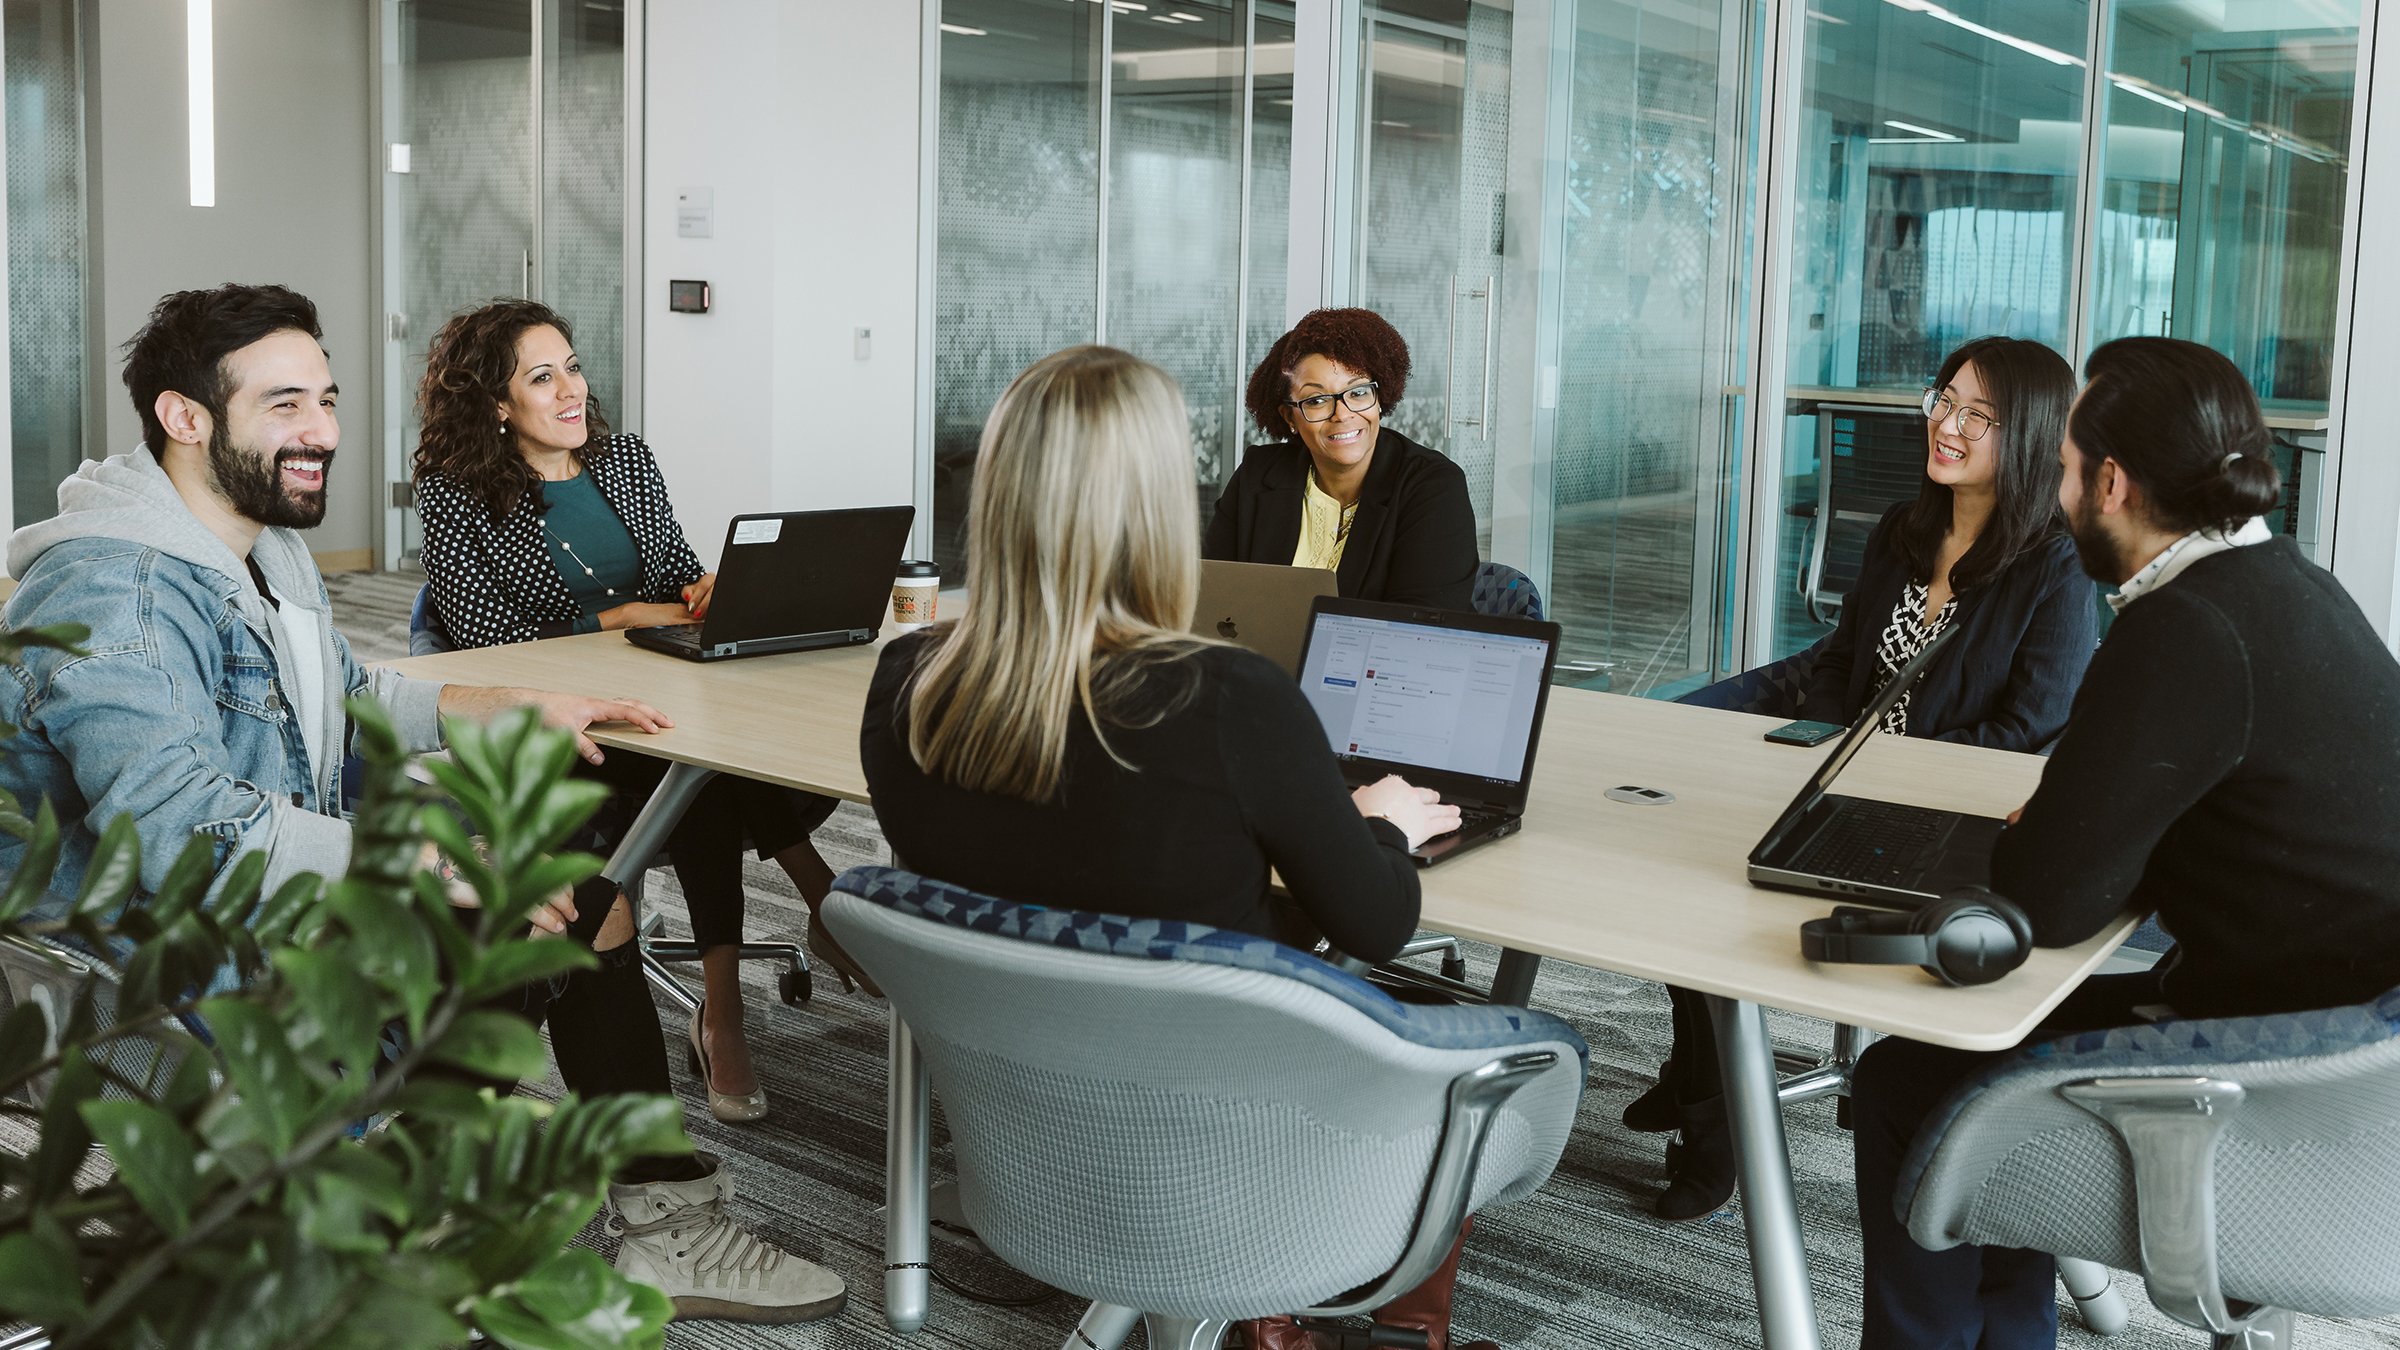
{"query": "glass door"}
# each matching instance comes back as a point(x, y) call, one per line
point(579, 260)
point(458, 195)
point(46, 258)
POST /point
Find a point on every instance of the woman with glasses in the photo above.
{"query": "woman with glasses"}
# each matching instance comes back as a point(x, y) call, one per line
point(1981, 549)
point(1390, 518)
point(539, 523)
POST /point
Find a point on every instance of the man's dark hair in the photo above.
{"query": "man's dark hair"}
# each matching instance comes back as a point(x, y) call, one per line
point(2029, 386)
point(190, 333)
point(2183, 422)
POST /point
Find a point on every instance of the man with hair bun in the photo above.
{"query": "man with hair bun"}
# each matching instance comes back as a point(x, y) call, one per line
point(2232, 764)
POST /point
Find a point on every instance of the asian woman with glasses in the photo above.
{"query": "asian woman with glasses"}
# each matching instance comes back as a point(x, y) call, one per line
point(1982, 548)
point(1337, 489)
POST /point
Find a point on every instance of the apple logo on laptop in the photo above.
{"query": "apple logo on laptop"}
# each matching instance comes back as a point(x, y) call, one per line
point(1226, 630)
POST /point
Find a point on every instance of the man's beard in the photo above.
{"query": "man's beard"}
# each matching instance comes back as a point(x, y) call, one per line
point(254, 486)
point(2102, 560)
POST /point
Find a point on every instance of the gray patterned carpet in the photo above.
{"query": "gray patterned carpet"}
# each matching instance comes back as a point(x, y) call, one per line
point(1580, 1264)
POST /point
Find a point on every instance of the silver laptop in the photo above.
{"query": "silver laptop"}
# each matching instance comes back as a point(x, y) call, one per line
point(1261, 606)
point(1448, 700)
point(1881, 852)
point(792, 582)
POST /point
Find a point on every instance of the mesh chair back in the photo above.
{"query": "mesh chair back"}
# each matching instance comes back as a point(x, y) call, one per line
point(2307, 1171)
point(1504, 591)
point(1869, 459)
point(1772, 690)
point(1181, 1119)
point(51, 977)
point(426, 636)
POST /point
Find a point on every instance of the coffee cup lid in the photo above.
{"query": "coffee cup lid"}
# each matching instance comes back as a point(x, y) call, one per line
point(913, 568)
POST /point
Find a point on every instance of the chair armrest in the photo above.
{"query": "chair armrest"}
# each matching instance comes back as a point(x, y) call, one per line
point(1475, 1101)
point(2170, 1127)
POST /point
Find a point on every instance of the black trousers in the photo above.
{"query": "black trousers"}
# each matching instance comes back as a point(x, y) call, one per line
point(1969, 1297)
point(706, 846)
point(1694, 1070)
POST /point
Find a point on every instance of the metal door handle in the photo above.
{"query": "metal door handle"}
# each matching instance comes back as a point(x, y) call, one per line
point(1488, 293)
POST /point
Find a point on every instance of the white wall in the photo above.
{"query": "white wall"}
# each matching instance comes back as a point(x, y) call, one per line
point(294, 165)
point(801, 116)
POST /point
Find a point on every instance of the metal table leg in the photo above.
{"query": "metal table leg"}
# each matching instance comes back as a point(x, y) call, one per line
point(907, 1164)
point(659, 816)
point(1512, 981)
point(1787, 1313)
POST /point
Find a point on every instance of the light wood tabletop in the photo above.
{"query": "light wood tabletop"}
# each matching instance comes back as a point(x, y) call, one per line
point(1656, 892)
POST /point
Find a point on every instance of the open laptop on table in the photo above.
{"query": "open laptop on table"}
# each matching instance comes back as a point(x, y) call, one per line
point(1883, 853)
point(1261, 606)
point(1448, 700)
point(792, 582)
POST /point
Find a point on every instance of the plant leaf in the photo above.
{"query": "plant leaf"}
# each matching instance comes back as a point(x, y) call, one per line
point(494, 1044)
point(275, 1090)
point(115, 869)
point(155, 1158)
point(40, 859)
point(342, 1020)
point(25, 1040)
point(64, 1135)
point(393, 947)
point(38, 1279)
point(513, 963)
point(573, 1301)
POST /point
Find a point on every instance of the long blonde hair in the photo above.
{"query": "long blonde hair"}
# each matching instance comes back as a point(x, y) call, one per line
point(1083, 565)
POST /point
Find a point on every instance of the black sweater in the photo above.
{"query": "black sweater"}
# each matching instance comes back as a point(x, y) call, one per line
point(1235, 779)
point(2008, 677)
point(1411, 543)
point(2232, 763)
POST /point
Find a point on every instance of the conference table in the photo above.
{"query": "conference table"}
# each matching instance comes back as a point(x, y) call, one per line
point(1655, 891)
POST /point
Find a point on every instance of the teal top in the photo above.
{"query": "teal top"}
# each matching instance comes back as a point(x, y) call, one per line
point(591, 548)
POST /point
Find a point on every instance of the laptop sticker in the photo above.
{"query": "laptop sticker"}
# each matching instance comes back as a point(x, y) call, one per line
point(765, 531)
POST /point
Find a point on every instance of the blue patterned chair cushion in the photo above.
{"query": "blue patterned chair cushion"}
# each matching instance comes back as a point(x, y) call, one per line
point(1502, 590)
point(1436, 1027)
point(2148, 1048)
point(1772, 690)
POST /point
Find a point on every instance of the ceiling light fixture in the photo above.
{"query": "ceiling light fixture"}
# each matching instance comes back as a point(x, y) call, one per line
point(1926, 7)
point(1928, 132)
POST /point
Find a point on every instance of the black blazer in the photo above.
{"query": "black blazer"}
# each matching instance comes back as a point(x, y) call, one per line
point(493, 580)
point(1412, 542)
point(2009, 677)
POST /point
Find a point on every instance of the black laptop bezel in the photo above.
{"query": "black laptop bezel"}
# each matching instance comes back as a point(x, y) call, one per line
point(710, 638)
point(1468, 790)
point(1820, 780)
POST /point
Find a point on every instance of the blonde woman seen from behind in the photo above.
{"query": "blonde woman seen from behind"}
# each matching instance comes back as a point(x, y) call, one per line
point(1067, 743)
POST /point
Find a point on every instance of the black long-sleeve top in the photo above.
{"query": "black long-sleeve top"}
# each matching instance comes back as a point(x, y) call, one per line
point(1235, 778)
point(2006, 680)
point(2232, 763)
point(1412, 542)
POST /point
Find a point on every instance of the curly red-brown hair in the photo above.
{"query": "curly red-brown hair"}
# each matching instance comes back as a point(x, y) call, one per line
point(1358, 338)
point(466, 377)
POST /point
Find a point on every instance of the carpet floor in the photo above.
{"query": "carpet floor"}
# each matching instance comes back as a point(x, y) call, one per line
point(1581, 1263)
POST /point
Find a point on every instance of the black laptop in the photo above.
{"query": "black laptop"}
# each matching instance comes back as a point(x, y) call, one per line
point(1880, 852)
point(1447, 700)
point(792, 582)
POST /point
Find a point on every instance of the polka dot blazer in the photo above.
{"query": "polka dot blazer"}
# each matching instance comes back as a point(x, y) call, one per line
point(493, 581)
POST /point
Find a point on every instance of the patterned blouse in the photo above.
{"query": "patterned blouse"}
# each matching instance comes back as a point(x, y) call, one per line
point(1907, 634)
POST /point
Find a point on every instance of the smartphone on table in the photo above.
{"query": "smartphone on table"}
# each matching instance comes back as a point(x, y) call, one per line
point(1805, 733)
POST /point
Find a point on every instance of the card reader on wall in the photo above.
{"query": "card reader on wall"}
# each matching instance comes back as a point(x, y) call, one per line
point(687, 297)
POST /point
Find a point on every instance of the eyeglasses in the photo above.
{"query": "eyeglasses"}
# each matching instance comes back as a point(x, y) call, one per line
point(1972, 422)
point(1319, 407)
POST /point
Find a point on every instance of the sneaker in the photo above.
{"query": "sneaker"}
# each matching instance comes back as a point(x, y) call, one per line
point(679, 1240)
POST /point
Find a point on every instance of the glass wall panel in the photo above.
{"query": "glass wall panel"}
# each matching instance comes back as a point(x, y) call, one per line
point(1940, 151)
point(1270, 192)
point(1018, 254)
point(1431, 200)
point(1655, 243)
point(1175, 211)
point(583, 188)
point(45, 250)
point(2224, 177)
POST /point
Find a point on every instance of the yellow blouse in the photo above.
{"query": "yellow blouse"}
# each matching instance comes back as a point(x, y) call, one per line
point(1324, 528)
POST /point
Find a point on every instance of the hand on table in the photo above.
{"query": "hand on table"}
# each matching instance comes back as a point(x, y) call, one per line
point(1419, 812)
point(577, 711)
point(697, 595)
point(2016, 815)
point(642, 615)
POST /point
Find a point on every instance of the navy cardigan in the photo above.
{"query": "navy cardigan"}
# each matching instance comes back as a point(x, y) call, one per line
point(1412, 542)
point(2009, 677)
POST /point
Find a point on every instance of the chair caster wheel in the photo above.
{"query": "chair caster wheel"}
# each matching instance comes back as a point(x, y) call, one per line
point(793, 985)
point(1454, 968)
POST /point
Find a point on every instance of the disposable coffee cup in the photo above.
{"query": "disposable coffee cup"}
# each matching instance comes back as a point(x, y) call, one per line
point(914, 591)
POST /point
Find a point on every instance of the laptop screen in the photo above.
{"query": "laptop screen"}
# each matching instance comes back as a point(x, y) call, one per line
point(1420, 695)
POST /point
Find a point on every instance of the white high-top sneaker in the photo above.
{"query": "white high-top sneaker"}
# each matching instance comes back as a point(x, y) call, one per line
point(678, 1239)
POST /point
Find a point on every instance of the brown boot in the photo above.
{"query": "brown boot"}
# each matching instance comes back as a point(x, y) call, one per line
point(1272, 1333)
point(1426, 1308)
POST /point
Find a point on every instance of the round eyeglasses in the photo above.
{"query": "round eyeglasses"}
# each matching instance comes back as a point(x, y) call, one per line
point(1319, 407)
point(1972, 422)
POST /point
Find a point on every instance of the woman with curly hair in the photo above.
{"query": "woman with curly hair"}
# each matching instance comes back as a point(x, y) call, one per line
point(538, 523)
point(1337, 489)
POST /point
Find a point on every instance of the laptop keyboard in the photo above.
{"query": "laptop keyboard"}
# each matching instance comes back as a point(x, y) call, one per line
point(1470, 820)
point(1870, 841)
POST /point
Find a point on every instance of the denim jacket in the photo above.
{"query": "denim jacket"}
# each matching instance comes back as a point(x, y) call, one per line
point(176, 711)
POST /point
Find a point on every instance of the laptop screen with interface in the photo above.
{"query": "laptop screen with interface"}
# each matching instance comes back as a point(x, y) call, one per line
point(1456, 695)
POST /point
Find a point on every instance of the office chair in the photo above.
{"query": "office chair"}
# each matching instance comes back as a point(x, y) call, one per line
point(2248, 1167)
point(1869, 458)
point(426, 637)
point(1191, 1126)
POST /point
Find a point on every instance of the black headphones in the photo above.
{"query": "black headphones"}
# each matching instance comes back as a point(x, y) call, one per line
point(1969, 936)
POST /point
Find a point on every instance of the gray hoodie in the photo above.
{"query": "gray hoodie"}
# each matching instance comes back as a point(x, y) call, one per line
point(176, 712)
